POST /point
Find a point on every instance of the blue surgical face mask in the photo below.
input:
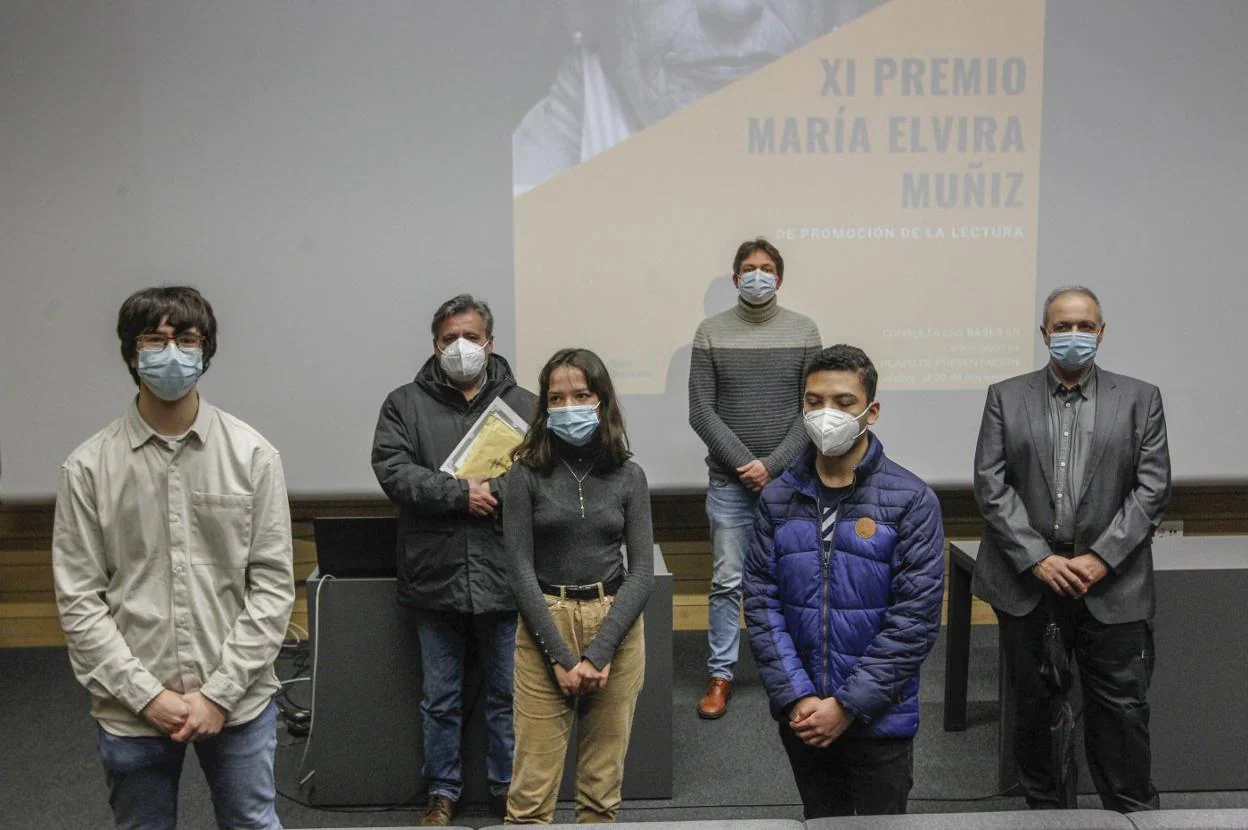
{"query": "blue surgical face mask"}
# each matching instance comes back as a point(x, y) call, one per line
point(574, 424)
point(1072, 349)
point(757, 287)
point(170, 372)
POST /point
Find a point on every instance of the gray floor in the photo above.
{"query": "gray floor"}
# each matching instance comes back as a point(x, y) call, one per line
point(733, 767)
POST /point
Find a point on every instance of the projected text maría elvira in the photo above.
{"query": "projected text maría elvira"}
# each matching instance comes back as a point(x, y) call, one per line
point(966, 140)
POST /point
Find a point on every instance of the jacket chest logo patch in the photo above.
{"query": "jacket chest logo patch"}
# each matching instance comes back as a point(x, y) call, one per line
point(865, 528)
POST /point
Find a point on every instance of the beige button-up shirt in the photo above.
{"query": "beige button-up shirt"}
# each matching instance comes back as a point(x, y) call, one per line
point(174, 566)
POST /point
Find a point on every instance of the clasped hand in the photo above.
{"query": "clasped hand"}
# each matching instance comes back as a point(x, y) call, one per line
point(1070, 577)
point(754, 476)
point(184, 718)
point(481, 502)
point(819, 721)
point(583, 678)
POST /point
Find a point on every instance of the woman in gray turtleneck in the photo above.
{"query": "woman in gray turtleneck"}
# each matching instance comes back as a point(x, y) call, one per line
point(572, 499)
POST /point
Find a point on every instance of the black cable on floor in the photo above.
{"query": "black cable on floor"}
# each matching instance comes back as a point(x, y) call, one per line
point(394, 808)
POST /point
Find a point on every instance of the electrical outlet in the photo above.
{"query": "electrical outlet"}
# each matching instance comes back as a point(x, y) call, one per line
point(1170, 529)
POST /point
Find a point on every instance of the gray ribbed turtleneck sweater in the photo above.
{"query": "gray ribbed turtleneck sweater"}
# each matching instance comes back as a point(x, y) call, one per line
point(745, 386)
point(548, 539)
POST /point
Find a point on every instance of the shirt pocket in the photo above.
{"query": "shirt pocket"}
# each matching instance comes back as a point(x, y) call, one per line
point(220, 529)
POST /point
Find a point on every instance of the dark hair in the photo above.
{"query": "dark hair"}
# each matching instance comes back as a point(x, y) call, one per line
point(1062, 292)
point(462, 304)
point(759, 244)
point(143, 311)
point(537, 451)
point(843, 358)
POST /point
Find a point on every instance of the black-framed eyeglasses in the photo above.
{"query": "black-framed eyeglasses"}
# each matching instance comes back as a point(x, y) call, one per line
point(186, 341)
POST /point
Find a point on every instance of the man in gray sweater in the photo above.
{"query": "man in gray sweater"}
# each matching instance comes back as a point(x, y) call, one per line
point(745, 388)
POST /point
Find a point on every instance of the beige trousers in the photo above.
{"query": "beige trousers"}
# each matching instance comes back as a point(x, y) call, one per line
point(544, 718)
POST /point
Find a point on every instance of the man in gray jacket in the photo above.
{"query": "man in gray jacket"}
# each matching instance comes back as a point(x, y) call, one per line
point(451, 567)
point(1072, 473)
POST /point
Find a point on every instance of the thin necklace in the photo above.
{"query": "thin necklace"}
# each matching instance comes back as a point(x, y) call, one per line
point(579, 480)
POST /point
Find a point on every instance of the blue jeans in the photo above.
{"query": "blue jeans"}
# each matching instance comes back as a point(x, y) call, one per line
point(143, 775)
point(730, 508)
point(444, 640)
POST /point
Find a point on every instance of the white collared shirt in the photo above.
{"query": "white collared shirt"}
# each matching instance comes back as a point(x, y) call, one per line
point(173, 566)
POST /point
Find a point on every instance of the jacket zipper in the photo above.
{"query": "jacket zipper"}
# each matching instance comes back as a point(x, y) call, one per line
point(825, 549)
point(823, 625)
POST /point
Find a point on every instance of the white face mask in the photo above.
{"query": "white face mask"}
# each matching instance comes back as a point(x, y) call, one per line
point(757, 287)
point(463, 360)
point(834, 432)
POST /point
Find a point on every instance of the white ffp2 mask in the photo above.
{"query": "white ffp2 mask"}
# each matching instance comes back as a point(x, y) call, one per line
point(833, 431)
point(463, 360)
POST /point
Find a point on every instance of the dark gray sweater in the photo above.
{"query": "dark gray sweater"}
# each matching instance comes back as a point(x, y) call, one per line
point(548, 540)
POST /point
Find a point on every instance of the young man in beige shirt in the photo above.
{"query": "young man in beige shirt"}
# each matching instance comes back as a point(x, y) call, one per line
point(173, 565)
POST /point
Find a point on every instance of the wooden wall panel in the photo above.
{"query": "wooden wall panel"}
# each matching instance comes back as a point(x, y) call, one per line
point(28, 608)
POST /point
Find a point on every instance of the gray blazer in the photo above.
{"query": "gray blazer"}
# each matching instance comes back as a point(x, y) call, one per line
point(1125, 491)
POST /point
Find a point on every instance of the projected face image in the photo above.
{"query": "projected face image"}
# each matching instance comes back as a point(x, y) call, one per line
point(667, 55)
point(635, 62)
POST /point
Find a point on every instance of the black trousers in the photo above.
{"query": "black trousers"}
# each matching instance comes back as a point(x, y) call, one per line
point(852, 776)
point(1115, 669)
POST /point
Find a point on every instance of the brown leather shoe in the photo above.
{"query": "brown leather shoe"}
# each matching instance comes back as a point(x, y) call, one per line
point(715, 702)
point(438, 813)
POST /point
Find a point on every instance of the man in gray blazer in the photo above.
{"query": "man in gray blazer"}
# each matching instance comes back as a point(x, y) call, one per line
point(1072, 474)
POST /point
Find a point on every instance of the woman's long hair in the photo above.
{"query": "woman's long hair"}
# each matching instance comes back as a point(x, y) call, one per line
point(537, 450)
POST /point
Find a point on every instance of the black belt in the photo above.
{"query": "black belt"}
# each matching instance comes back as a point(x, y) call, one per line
point(1062, 547)
point(593, 590)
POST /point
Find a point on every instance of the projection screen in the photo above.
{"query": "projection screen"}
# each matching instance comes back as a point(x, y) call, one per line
point(329, 173)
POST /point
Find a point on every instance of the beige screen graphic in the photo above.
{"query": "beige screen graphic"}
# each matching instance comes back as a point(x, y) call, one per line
point(893, 161)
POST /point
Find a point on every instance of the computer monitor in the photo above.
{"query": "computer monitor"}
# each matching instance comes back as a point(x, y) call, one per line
point(356, 546)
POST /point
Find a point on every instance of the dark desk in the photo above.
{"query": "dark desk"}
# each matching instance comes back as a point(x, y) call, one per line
point(1199, 721)
point(366, 738)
